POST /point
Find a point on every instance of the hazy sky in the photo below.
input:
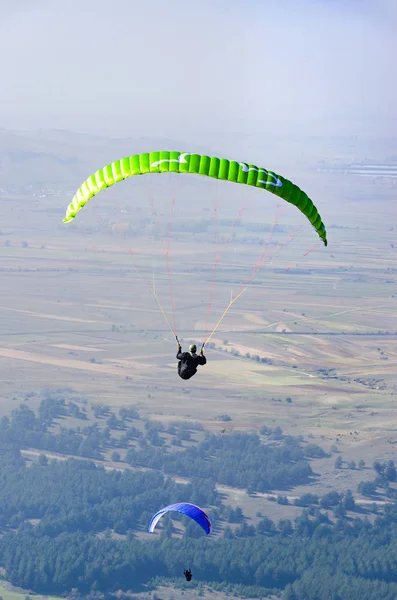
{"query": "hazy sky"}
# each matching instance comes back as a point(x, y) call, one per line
point(173, 67)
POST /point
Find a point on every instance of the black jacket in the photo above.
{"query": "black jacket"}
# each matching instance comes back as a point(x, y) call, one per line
point(188, 363)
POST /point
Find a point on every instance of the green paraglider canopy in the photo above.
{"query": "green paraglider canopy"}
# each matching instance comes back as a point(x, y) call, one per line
point(196, 164)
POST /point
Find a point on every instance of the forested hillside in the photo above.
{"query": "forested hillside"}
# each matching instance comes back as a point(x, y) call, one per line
point(74, 524)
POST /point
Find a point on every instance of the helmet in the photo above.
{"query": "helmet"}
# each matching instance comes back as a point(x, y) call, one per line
point(192, 348)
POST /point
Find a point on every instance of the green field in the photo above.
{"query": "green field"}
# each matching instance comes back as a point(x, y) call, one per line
point(8, 592)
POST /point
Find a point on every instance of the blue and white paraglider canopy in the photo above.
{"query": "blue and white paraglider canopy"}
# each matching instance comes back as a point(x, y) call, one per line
point(185, 508)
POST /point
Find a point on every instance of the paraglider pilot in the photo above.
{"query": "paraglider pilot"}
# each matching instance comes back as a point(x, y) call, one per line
point(189, 361)
point(187, 574)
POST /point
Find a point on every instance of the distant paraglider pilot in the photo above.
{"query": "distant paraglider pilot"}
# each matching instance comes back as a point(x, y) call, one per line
point(190, 510)
point(189, 361)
